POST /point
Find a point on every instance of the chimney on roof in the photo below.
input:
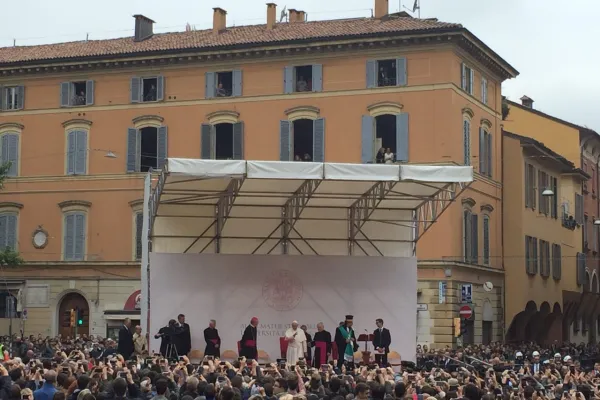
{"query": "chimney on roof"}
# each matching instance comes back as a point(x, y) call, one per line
point(219, 19)
point(526, 101)
point(271, 15)
point(143, 28)
point(296, 16)
point(382, 8)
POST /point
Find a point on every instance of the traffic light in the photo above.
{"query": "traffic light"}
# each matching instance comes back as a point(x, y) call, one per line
point(72, 318)
point(457, 327)
point(80, 316)
point(463, 326)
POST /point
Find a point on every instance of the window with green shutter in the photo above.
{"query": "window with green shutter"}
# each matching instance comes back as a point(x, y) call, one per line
point(77, 150)
point(9, 152)
point(8, 231)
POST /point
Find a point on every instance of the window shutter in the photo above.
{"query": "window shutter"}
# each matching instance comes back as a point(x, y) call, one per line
point(139, 223)
point(238, 141)
point(71, 152)
point(371, 74)
point(484, 90)
point(555, 198)
point(367, 139)
point(463, 76)
point(80, 152)
point(65, 98)
point(317, 78)
point(162, 147)
point(205, 142)
point(467, 233)
point(209, 84)
point(471, 80)
point(20, 97)
point(474, 240)
point(135, 89)
point(285, 141)
point(467, 142)
point(11, 231)
point(288, 80)
point(69, 237)
point(527, 255)
point(13, 154)
point(2, 96)
point(89, 92)
point(486, 240)
point(527, 185)
point(402, 137)
point(3, 232)
point(401, 74)
point(4, 149)
point(132, 150)
point(319, 140)
point(482, 148)
point(79, 243)
point(534, 263)
point(160, 88)
point(540, 190)
point(488, 154)
point(237, 82)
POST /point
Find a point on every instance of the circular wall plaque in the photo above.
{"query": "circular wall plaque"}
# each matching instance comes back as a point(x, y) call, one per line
point(39, 238)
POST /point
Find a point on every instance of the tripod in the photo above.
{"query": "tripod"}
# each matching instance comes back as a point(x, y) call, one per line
point(171, 352)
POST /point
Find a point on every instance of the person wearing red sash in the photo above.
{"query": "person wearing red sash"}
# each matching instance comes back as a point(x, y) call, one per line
point(248, 346)
point(213, 341)
point(322, 345)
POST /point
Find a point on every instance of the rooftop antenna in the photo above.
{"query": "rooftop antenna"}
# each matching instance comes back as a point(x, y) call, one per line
point(416, 7)
point(283, 14)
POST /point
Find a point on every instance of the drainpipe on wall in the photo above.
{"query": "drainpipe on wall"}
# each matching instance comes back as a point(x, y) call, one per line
point(503, 294)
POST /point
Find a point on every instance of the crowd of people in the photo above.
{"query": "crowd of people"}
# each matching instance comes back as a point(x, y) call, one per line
point(92, 368)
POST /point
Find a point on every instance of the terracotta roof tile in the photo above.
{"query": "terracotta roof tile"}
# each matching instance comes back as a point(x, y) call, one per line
point(206, 39)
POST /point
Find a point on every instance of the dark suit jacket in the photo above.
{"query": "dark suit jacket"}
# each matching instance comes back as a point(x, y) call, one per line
point(125, 347)
point(383, 339)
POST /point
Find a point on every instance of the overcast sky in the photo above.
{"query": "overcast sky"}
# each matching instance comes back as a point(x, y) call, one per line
point(545, 40)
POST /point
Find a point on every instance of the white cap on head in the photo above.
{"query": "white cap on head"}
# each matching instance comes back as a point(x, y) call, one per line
point(519, 354)
point(535, 354)
point(567, 358)
point(557, 355)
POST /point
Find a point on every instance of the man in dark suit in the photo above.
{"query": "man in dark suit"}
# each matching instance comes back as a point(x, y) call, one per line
point(184, 339)
point(125, 347)
point(381, 342)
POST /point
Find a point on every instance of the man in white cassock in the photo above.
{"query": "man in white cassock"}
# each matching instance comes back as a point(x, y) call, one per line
point(296, 344)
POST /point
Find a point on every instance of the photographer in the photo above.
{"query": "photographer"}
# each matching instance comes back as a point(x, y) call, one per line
point(168, 334)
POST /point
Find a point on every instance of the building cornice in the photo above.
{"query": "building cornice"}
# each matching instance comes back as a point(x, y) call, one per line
point(75, 203)
point(156, 59)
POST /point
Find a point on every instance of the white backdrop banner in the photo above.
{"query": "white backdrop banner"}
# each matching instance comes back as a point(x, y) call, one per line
point(279, 289)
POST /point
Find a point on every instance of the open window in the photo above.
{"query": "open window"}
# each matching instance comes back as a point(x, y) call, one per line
point(146, 148)
point(388, 72)
point(222, 141)
point(303, 78)
point(385, 138)
point(77, 93)
point(12, 98)
point(147, 89)
point(223, 84)
point(303, 140)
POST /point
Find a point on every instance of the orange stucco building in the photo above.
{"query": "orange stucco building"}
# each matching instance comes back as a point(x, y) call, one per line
point(84, 121)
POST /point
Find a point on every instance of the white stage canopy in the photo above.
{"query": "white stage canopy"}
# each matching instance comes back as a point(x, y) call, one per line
point(296, 208)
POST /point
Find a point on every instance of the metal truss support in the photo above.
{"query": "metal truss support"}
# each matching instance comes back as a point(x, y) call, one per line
point(223, 208)
point(292, 209)
point(430, 210)
point(155, 196)
point(362, 209)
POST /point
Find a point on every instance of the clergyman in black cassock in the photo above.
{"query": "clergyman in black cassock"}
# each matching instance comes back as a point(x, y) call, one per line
point(183, 341)
point(322, 345)
point(309, 345)
point(381, 343)
point(340, 340)
point(213, 341)
point(248, 346)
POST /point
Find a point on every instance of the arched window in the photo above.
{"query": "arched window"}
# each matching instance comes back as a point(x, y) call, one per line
point(222, 138)
point(75, 214)
point(385, 134)
point(466, 128)
point(147, 144)
point(302, 135)
point(470, 233)
point(485, 148)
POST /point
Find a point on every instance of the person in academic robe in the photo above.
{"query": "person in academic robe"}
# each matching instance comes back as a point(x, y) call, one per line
point(296, 341)
point(381, 343)
point(248, 347)
point(126, 347)
point(345, 340)
point(213, 341)
point(309, 345)
point(183, 341)
point(322, 345)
